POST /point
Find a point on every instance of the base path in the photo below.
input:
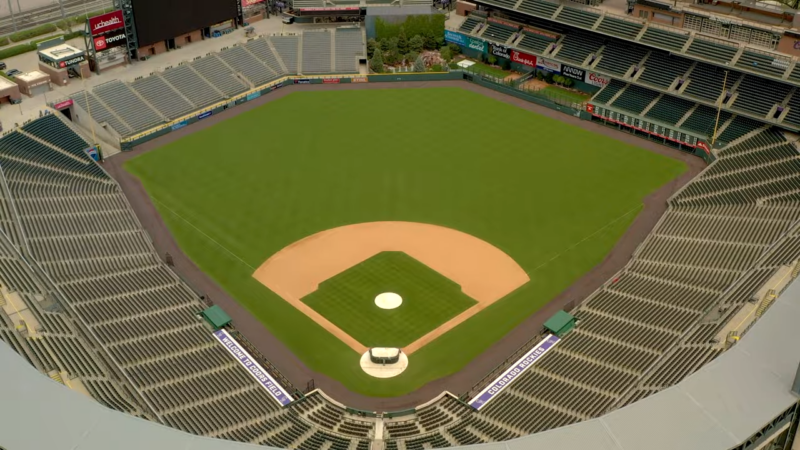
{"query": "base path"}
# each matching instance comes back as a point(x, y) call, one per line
point(483, 271)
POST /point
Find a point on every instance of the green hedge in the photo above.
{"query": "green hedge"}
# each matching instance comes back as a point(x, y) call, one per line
point(33, 32)
point(16, 50)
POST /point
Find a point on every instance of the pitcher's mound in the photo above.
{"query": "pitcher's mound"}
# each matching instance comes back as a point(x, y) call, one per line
point(388, 300)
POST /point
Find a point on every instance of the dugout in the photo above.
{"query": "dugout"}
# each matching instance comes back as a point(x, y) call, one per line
point(216, 317)
point(561, 323)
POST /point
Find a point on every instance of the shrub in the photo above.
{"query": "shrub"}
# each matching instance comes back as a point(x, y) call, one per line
point(445, 54)
point(33, 32)
point(372, 44)
point(416, 44)
point(568, 82)
point(548, 78)
point(539, 75)
point(492, 60)
point(16, 50)
point(419, 64)
point(411, 57)
point(376, 63)
point(437, 68)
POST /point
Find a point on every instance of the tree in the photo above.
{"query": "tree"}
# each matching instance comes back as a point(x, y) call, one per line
point(558, 79)
point(376, 63)
point(372, 44)
point(411, 57)
point(402, 42)
point(445, 53)
point(454, 49)
point(416, 44)
point(385, 44)
point(430, 40)
point(548, 78)
point(492, 60)
point(419, 64)
point(568, 82)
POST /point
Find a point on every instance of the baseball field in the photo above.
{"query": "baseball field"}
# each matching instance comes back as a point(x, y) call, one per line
point(475, 212)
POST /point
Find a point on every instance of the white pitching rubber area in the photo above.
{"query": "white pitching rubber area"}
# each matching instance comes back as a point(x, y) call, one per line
point(388, 300)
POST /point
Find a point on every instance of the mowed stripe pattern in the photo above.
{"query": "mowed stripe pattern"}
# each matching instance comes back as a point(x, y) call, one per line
point(348, 300)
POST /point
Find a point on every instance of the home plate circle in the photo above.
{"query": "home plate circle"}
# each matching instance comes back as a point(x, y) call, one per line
point(388, 300)
point(382, 362)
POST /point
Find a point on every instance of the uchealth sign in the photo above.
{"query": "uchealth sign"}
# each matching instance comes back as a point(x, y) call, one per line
point(595, 79)
point(501, 51)
point(62, 105)
point(523, 58)
point(107, 41)
point(106, 22)
point(573, 72)
point(548, 65)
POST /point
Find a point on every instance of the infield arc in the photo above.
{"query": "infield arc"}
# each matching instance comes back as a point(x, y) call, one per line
point(483, 271)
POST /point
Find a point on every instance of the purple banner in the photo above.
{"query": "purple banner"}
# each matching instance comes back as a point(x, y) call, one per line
point(253, 367)
point(513, 372)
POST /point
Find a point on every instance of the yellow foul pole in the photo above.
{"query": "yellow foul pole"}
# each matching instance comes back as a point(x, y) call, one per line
point(719, 110)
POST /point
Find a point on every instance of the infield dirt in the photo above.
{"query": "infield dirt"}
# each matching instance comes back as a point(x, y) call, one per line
point(483, 271)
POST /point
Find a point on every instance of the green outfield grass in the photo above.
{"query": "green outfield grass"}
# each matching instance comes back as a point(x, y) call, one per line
point(348, 300)
point(553, 196)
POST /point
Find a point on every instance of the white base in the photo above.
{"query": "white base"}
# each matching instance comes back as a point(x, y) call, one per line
point(388, 300)
point(383, 370)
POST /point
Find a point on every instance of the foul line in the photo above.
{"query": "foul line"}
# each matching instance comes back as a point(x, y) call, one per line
point(598, 231)
point(204, 234)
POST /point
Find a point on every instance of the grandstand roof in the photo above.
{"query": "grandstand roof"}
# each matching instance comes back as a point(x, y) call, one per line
point(716, 408)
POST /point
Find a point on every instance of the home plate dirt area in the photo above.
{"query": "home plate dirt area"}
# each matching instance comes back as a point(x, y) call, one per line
point(296, 211)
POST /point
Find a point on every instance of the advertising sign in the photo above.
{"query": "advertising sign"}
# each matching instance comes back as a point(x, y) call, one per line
point(455, 38)
point(501, 51)
point(359, 80)
point(72, 61)
point(540, 32)
point(107, 41)
point(92, 152)
point(548, 65)
point(254, 368)
point(179, 125)
point(573, 72)
point(477, 44)
point(523, 58)
point(302, 81)
point(253, 95)
point(513, 372)
point(595, 79)
point(62, 105)
point(106, 22)
point(202, 116)
point(330, 81)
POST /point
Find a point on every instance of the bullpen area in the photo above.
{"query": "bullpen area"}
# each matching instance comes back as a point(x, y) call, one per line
point(542, 200)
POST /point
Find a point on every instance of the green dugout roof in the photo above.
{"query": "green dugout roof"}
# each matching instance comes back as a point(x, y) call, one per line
point(561, 323)
point(216, 317)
